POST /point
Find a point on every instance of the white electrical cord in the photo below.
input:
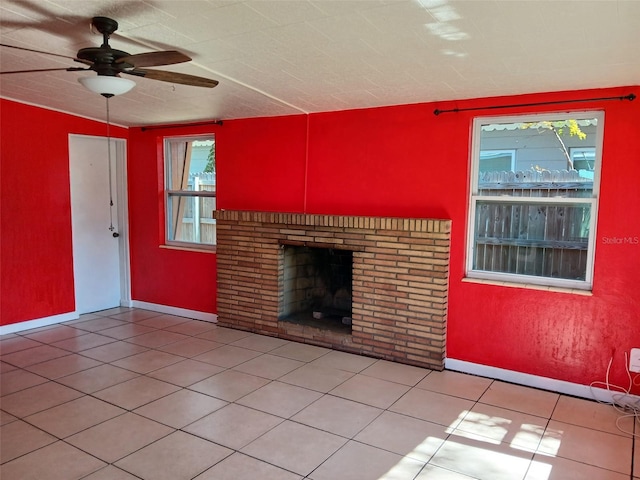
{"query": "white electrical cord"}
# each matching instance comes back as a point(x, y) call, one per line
point(623, 401)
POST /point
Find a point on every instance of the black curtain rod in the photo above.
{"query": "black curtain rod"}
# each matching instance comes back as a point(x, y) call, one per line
point(180, 125)
point(629, 97)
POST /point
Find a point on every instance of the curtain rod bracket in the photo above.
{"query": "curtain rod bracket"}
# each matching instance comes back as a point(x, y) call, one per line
point(631, 97)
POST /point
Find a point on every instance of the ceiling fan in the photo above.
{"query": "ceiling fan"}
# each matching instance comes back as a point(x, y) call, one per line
point(110, 63)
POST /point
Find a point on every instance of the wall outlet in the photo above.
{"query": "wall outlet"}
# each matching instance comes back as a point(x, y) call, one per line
point(634, 360)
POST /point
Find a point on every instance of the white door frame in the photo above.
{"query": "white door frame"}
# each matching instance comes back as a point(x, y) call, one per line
point(119, 148)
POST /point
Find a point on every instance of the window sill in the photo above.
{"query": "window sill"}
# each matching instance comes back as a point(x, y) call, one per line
point(530, 286)
point(211, 249)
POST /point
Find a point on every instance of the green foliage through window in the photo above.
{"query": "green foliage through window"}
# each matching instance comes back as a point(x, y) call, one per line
point(210, 167)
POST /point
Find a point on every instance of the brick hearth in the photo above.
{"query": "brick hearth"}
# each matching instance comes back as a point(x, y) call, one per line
point(400, 280)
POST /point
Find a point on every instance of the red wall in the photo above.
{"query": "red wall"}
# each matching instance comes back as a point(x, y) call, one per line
point(268, 165)
point(394, 161)
point(559, 335)
point(261, 164)
point(405, 161)
point(36, 267)
point(166, 276)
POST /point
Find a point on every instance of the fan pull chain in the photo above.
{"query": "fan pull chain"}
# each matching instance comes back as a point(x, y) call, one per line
point(111, 227)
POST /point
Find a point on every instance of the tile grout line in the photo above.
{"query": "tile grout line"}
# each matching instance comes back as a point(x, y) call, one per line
point(271, 380)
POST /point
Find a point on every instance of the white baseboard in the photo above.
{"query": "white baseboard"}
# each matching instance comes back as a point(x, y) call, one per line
point(180, 312)
point(38, 322)
point(66, 317)
point(535, 381)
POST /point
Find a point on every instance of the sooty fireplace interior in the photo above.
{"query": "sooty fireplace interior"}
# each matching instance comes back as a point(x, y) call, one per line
point(317, 287)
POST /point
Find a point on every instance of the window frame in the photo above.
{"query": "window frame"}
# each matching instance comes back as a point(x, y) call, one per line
point(577, 150)
point(169, 193)
point(505, 151)
point(474, 198)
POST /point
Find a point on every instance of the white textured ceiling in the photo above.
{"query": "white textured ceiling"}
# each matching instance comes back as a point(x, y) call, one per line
point(286, 57)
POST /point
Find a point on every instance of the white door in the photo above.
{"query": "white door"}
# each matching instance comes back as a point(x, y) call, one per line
point(97, 235)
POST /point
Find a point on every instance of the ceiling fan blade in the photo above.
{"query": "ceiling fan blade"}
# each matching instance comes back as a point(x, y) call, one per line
point(174, 77)
point(36, 51)
point(68, 69)
point(46, 53)
point(154, 59)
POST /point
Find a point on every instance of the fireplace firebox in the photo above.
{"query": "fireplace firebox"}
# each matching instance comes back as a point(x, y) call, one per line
point(317, 287)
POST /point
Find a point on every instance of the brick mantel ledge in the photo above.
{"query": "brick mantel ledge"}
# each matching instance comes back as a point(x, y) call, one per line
point(369, 223)
point(400, 280)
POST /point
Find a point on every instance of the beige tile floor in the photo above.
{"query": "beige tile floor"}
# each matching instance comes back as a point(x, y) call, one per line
point(125, 394)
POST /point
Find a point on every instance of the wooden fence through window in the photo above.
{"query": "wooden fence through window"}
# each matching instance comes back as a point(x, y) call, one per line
point(198, 224)
point(535, 237)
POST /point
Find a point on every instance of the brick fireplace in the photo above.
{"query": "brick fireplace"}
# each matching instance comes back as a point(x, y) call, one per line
point(399, 281)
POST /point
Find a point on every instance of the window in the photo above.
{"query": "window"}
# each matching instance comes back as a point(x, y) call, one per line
point(190, 190)
point(584, 160)
point(497, 160)
point(535, 221)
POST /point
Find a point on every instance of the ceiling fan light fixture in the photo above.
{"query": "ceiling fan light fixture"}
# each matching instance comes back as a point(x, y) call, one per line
point(107, 86)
